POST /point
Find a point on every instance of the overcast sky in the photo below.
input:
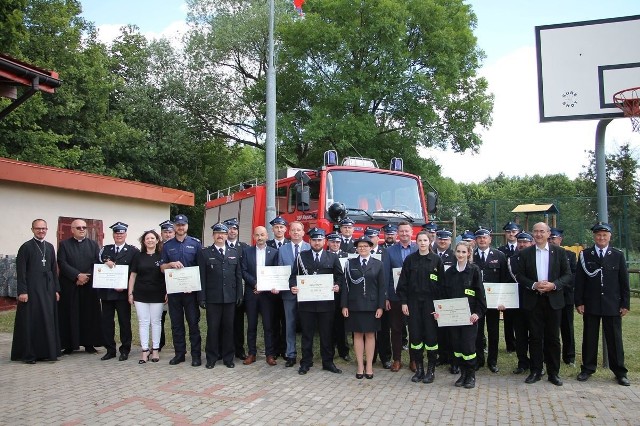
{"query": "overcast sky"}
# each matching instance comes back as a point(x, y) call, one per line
point(517, 144)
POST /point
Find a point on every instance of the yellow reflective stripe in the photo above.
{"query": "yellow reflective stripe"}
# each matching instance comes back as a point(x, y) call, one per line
point(469, 292)
point(468, 357)
point(433, 277)
point(416, 346)
point(431, 348)
point(457, 355)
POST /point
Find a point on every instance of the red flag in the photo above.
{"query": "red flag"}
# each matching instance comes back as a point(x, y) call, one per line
point(298, 5)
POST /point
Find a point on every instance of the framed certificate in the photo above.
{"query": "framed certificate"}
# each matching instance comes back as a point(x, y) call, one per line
point(502, 294)
point(396, 276)
point(452, 312)
point(116, 278)
point(270, 277)
point(183, 280)
point(313, 288)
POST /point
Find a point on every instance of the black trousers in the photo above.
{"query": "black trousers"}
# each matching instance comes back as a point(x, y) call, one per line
point(612, 327)
point(383, 340)
point(323, 322)
point(423, 330)
point(220, 318)
point(509, 329)
point(492, 321)
point(279, 327)
point(109, 310)
point(544, 332)
point(568, 335)
point(261, 303)
point(339, 335)
point(238, 329)
point(521, 328)
point(463, 344)
point(181, 306)
point(162, 336)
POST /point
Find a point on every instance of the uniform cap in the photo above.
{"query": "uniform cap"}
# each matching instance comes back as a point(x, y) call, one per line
point(220, 227)
point(316, 233)
point(119, 227)
point(430, 226)
point(524, 236)
point(334, 237)
point(481, 231)
point(363, 239)
point(511, 226)
point(180, 220)
point(167, 224)
point(232, 223)
point(443, 234)
point(389, 229)
point(467, 236)
point(371, 232)
point(555, 232)
point(347, 222)
point(278, 221)
point(601, 226)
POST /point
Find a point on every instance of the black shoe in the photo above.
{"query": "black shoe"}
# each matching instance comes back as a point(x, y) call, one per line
point(30, 361)
point(123, 356)
point(332, 367)
point(196, 362)
point(460, 382)
point(359, 376)
point(347, 358)
point(107, 356)
point(368, 376)
point(623, 381)
point(386, 365)
point(303, 370)
point(518, 370)
point(419, 375)
point(90, 350)
point(210, 365)
point(229, 364)
point(67, 351)
point(241, 355)
point(430, 374)
point(533, 377)
point(583, 376)
point(470, 379)
point(493, 368)
point(176, 360)
point(555, 379)
point(290, 362)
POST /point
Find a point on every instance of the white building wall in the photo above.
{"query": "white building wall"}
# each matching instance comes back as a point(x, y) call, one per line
point(21, 203)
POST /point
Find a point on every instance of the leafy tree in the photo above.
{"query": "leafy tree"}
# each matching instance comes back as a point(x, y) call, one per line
point(12, 29)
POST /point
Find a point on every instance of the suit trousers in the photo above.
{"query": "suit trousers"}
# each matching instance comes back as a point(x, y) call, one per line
point(310, 321)
point(109, 310)
point(568, 335)
point(290, 316)
point(261, 303)
point(238, 329)
point(339, 335)
point(423, 330)
point(181, 306)
point(509, 330)
point(492, 319)
point(521, 329)
point(612, 327)
point(544, 332)
point(220, 317)
point(279, 327)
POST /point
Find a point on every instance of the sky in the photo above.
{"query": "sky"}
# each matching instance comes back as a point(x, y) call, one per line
point(516, 144)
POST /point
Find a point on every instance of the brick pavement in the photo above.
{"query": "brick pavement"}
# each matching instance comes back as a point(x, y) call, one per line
point(80, 389)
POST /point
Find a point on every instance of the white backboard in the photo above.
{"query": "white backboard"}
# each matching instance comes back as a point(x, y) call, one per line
point(582, 64)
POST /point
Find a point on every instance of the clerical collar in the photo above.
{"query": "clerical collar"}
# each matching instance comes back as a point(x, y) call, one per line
point(79, 240)
point(39, 240)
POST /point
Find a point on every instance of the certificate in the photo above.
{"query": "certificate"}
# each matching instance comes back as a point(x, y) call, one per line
point(270, 277)
point(452, 312)
point(396, 276)
point(502, 294)
point(376, 256)
point(116, 278)
point(183, 280)
point(312, 288)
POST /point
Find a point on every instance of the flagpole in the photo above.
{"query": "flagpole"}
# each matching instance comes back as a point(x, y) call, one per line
point(270, 212)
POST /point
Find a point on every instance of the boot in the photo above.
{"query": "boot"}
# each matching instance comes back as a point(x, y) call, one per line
point(431, 373)
point(470, 380)
point(419, 372)
point(461, 379)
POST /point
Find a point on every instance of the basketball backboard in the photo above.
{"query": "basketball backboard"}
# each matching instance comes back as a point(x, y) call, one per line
point(582, 64)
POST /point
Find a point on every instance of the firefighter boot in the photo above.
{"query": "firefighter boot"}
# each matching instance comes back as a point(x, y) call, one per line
point(419, 372)
point(470, 380)
point(461, 379)
point(431, 372)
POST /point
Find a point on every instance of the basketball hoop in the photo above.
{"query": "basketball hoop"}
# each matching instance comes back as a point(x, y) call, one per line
point(628, 101)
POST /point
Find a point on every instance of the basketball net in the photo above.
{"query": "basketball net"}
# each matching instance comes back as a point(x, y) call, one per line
point(628, 101)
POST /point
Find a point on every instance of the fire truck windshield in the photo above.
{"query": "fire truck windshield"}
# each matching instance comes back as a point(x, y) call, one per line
point(375, 196)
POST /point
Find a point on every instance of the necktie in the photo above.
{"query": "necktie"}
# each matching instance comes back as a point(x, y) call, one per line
point(364, 263)
point(232, 245)
point(441, 254)
point(118, 250)
point(279, 244)
point(482, 256)
point(296, 251)
point(601, 253)
point(317, 258)
point(221, 251)
point(511, 249)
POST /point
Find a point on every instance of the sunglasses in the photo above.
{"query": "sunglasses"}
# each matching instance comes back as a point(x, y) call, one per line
point(80, 228)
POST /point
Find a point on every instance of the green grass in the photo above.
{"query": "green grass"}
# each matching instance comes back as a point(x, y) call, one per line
point(506, 361)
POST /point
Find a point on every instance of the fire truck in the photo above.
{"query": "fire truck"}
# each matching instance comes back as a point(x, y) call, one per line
point(357, 188)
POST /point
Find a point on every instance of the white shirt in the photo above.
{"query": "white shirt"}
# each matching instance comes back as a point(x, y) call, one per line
point(486, 253)
point(261, 254)
point(218, 249)
point(542, 262)
point(604, 251)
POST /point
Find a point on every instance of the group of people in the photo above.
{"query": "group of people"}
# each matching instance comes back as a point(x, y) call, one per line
point(377, 290)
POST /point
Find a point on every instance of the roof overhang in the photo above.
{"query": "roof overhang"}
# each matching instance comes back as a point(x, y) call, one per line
point(536, 208)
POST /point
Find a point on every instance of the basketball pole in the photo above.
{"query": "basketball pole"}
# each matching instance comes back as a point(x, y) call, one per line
point(601, 197)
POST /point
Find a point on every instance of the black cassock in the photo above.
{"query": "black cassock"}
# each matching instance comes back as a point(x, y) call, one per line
point(35, 333)
point(79, 310)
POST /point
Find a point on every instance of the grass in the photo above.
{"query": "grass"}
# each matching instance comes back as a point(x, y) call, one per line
point(506, 361)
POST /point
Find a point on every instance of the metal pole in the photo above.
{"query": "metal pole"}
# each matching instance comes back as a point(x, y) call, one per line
point(601, 193)
point(270, 211)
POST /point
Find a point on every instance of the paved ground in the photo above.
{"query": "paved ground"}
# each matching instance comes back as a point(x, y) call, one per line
point(81, 389)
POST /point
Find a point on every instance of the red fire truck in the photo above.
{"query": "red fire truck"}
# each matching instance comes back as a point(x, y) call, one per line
point(357, 188)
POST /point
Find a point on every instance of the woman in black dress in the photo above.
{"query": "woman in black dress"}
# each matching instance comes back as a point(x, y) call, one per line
point(362, 302)
point(148, 292)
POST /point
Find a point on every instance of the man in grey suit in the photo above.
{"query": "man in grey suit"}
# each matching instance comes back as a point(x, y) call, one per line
point(287, 255)
point(543, 271)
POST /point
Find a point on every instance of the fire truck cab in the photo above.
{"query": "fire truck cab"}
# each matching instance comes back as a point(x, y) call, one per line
point(357, 188)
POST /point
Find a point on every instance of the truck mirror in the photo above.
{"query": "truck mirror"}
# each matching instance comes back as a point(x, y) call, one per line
point(302, 198)
point(432, 202)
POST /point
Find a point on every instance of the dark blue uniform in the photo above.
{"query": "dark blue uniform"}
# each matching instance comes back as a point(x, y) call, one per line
point(184, 305)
